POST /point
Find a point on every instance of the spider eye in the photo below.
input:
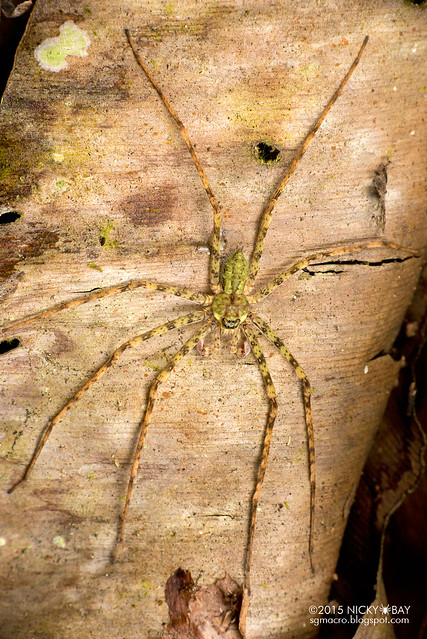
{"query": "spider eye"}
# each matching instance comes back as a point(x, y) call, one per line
point(230, 323)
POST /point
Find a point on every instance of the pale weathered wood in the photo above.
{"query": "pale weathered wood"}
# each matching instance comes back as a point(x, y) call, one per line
point(92, 145)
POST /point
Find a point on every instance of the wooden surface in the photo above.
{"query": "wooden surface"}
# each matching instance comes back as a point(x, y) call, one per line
point(101, 177)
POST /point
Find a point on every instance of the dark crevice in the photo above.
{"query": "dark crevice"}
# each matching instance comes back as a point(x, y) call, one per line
point(394, 353)
point(310, 270)
point(378, 355)
point(379, 192)
point(266, 153)
point(217, 515)
point(9, 217)
point(9, 345)
point(91, 290)
point(390, 260)
point(11, 32)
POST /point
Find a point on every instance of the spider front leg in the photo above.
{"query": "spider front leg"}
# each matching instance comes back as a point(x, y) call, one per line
point(191, 318)
point(216, 235)
point(178, 291)
point(306, 389)
point(267, 214)
point(152, 394)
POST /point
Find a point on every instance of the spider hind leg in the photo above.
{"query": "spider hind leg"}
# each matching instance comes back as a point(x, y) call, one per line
point(197, 316)
point(306, 392)
point(262, 466)
point(145, 422)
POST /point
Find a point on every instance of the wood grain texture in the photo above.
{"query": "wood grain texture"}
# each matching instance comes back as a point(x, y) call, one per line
point(100, 176)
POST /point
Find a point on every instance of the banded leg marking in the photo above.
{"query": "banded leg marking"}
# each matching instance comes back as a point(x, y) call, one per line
point(266, 217)
point(191, 318)
point(152, 393)
point(298, 266)
point(216, 237)
point(306, 390)
point(272, 412)
point(178, 291)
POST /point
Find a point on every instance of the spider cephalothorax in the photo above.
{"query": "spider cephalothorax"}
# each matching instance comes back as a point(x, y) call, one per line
point(231, 307)
point(225, 309)
point(230, 310)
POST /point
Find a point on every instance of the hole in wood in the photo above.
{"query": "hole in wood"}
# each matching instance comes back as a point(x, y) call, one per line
point(9, 217)
point(8, 345)
point(266, 153)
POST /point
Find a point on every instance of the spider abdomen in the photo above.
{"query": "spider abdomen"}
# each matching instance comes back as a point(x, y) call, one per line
point(234, 273)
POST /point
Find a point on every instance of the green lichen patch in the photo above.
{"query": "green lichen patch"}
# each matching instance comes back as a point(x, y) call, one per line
point(51, 54)
point(59, 541)
point(105, 238)
point(60, 185)
point(95, 266)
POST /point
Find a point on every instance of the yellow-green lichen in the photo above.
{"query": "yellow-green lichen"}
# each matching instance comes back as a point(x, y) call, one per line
point(310, 70)
point(105, 232)
point(95, 266)
point(147, 587)
point(58, 157)
point(61, 185)
point(59, 541)
point(6, 168)
point(51, 54)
